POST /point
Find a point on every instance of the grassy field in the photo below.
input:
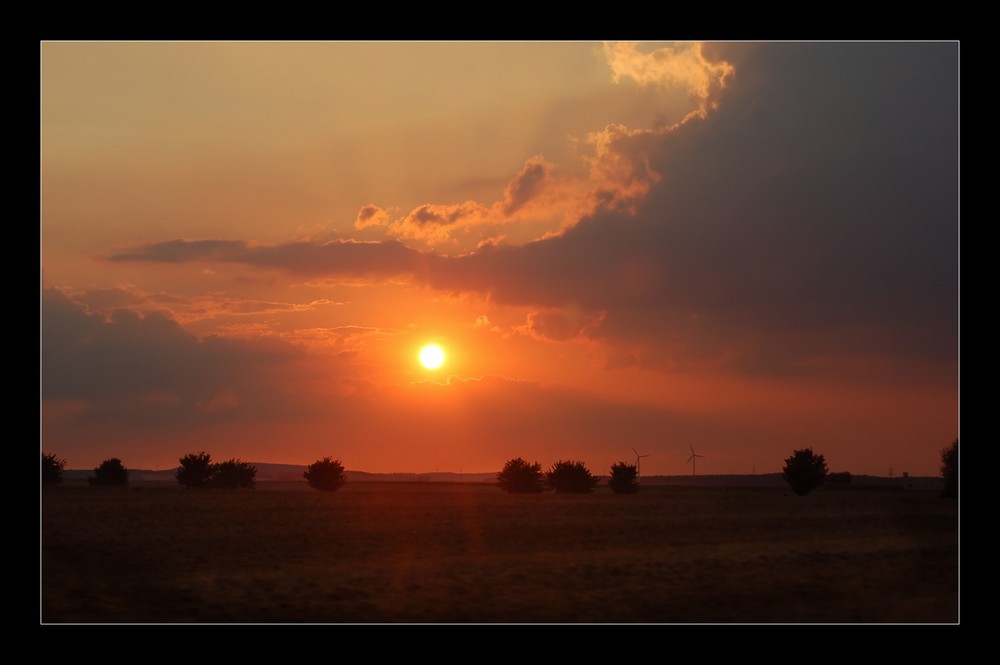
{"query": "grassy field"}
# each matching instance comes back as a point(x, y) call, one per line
point(458, 553)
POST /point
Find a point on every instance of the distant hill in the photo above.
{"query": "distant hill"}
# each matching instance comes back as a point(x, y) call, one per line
point(293, 472)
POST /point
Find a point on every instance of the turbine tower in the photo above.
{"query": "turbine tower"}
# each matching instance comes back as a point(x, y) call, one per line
point(694, 460)
point(638, 469)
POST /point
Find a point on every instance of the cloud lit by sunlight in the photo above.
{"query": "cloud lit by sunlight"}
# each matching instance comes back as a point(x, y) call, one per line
point(682, 64)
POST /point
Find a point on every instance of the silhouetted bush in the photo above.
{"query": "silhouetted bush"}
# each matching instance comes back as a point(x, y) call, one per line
point(624, 478)
point(233, 474)
point(196, 470)
point(949, 470)
point(326, 474)
point(111, 473)
point(570, 478)
point(804, 471)
point(519, 477)
point(52, 469)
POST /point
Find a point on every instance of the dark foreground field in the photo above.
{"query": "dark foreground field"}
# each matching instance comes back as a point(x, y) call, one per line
point(392, 553)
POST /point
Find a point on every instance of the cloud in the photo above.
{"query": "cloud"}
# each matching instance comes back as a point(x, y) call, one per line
point(814, 216)
point(526, 185)
point(338, 257)
point(682, 64)
point(483, 322)
point(137, 367)
point(525, 197)
point(180, 251)
point(372, 215)
point(613, 168)
point(435, 223)
point(562, 324)
point(619, 167)
point(811, 218)
point(82, 354)
point(186, 309)
point(537, 202)
point(105, 299)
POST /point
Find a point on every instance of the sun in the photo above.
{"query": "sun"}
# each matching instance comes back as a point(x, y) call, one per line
point(432, 356)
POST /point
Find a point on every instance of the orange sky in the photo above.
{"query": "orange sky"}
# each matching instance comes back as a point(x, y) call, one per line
point(748, 248)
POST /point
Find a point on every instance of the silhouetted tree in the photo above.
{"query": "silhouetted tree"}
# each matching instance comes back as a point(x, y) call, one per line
point(519, 477)
point(52, 469)
point(196, 470)
point(949, 470)
point(326, 474)
point(111, 473)
point(570, 478)
point(233, 474)
point(624, 478)
point(804, 471)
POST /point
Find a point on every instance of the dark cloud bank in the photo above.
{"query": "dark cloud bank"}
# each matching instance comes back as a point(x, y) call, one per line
point(814, 214)
point(147, 369)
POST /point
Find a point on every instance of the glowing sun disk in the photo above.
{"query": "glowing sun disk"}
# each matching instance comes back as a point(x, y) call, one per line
point(432, 356)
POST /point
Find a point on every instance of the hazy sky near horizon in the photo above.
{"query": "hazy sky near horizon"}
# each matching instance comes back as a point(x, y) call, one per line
point(747, 248)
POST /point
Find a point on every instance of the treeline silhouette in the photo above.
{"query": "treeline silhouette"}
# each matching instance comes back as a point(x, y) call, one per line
point(564, 477)
point(804, 471)
point(198, 471)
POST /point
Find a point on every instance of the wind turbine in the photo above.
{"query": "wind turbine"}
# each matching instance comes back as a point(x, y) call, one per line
point(638, 457)
point(694, 460)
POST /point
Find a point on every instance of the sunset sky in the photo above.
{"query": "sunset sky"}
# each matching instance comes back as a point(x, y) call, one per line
point(746, 248)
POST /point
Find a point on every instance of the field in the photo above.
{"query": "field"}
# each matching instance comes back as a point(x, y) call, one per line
point(461, 553)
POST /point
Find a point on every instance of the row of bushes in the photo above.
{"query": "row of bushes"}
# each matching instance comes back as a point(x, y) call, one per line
point(803, 471)
point(110, 473)
point(565, 477)
point(197, 470)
